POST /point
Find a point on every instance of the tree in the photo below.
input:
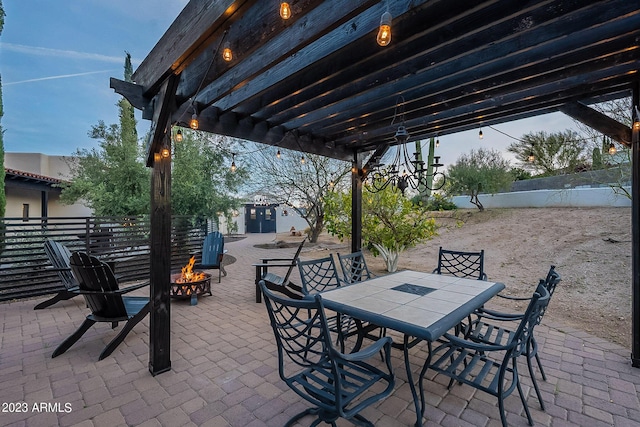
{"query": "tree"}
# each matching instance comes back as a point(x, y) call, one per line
point(553, 154)
point(113, 180)
point(391, 222)
point(202, 181)
point(480, 171)
point(286, 180)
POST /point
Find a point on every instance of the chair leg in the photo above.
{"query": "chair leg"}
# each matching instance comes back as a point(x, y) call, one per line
point(66, 344)
point(125, 330)
point(60, 296)
point(534, 381)
point(308, 411)
point(544, 377)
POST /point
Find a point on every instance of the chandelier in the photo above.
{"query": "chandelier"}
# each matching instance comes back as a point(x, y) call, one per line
point(404, 171)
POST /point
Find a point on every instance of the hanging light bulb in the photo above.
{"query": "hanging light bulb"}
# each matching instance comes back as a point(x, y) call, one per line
point(233, 162)
point(302, 160)
point(480, 136)
point(165, 152)
point(227, 54)
point(278, 155)
point(193, 124)
point(285, 10)
point(612, 149)
point(179, 136)
point(437, 142)
point(384, 32)
point(531, 157)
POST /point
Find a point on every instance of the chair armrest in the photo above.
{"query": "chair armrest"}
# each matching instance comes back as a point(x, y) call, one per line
point(497, 315)
point(367, 352)
point(267, 260)
point(116, 292)
point(265, 264)
point(471, 345)
point(514, 298)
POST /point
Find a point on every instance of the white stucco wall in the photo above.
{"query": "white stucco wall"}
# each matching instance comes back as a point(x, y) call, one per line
point(575, 197)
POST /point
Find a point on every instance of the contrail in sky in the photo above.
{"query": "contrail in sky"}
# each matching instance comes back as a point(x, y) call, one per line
point(45, 51)
point(62, 76)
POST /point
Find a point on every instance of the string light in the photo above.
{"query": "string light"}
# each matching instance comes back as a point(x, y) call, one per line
point(179, 136)
point(302, 160)
point(437, 141)
point(480, 135)
point(278, 155)
point(285, 10)
point(612, 149)
point(227, 54)
point(233, 162)
point(384, 32)
point(531, 157)
point(193, 124)
point(165, 152)
point(636, 120)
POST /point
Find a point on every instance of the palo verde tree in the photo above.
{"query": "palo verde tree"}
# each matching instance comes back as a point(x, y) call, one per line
point(299, 180)
point(202, 181)
point(112, 179)
point(480, 171)
point(553, 153)
point(391, 222)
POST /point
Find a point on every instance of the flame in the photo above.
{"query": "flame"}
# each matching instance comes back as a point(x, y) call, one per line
point(188, 275)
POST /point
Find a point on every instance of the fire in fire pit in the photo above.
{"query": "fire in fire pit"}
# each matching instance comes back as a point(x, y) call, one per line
point(189, 283)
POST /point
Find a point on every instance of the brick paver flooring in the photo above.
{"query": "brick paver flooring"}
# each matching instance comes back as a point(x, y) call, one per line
point(224, 370)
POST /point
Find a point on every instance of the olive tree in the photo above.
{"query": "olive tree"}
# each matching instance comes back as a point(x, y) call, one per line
point(550, 154)
point(480, 171)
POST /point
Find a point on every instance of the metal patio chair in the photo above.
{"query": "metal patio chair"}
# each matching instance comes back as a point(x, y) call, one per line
point(337, 385)
point(492, 327)
point(321, 275)
point(492, 368)
point(461, 263)
point(354, 267)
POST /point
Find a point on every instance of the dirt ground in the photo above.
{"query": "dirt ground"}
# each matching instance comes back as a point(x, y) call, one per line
point(590, 247)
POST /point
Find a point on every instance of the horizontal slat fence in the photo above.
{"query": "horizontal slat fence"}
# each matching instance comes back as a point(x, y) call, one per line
point(25, 270)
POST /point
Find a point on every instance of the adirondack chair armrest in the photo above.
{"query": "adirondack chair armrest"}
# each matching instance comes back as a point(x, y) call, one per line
point(116, 292)
point(56, 269)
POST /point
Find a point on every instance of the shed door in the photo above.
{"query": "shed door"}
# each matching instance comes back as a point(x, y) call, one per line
point(260, 219)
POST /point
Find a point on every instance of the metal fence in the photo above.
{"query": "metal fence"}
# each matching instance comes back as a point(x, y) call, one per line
point(25, 270)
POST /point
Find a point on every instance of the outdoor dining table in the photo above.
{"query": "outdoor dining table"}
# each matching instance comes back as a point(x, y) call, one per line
point(416, 304)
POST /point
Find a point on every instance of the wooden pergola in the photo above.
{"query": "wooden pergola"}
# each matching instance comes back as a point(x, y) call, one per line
point(319, 82)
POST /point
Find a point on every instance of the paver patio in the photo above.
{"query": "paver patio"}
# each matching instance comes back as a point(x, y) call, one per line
point(224, 370)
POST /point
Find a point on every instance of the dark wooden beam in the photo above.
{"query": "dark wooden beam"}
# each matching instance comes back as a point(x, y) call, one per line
point(356, 204)
point(160, 264)
point(163, 106)
point(131, 92)
point(635, 231)
point(598, 121)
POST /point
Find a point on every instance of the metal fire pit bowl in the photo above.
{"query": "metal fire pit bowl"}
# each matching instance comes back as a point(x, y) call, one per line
point(190, 289)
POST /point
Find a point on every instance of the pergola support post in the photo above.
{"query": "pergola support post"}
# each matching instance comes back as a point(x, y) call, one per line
point(356, 203)
point(160, 264)
point(635, 230)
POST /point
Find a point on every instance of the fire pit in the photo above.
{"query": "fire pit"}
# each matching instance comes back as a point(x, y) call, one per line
point(190, 284)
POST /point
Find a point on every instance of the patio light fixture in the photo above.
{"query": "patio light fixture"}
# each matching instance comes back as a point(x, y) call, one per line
point(179, 136)
point(233, 162)
point(227, 53)
point(480, 135)
point(403, 172)
point(612, 149)
point(636, 119)
point(285, 10)
point(384, 32)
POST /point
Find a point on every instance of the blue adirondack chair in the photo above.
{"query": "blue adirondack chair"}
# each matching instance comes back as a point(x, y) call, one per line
point(212, 253)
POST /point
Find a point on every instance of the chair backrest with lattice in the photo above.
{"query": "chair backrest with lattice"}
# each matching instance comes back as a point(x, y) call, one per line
point(461, 263)
point(354, 267)
point(532, 317)
point(318, 275)
point(299, 327)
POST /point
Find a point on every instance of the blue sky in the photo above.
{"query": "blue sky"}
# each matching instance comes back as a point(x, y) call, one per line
point(56, 58)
